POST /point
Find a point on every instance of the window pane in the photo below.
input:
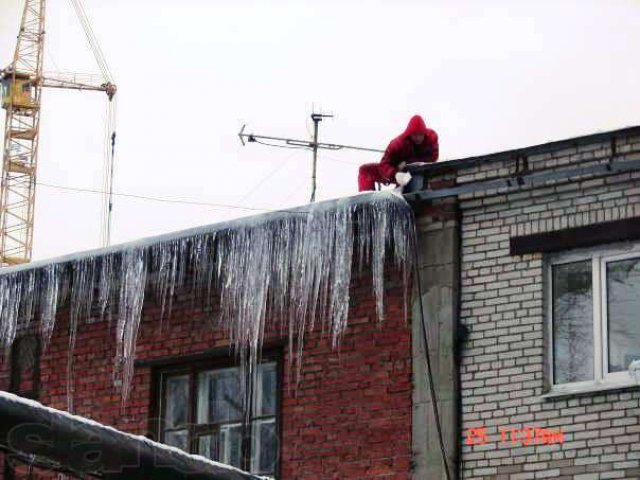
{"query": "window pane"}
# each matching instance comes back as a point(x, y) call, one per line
point(231, 445)
point(225, 447)
point(572, 322)
point(208, 446)
point(623, 304)
point(176, 401)
point(220, 396)
point(266, 392)
point(177, 438)
point(264, 446)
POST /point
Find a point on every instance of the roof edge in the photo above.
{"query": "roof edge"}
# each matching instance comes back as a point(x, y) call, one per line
point(243, 222)
point(452, 165)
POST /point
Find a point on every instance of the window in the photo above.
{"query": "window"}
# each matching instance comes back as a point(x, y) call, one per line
point(201, 411)
point(594, 307)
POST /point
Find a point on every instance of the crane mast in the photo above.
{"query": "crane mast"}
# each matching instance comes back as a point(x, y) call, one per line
point(22, 84)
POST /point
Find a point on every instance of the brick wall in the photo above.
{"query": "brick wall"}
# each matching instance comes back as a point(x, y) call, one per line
point(502, 303)
point(349, 418)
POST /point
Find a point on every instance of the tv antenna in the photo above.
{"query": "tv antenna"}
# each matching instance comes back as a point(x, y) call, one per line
point(313, 145)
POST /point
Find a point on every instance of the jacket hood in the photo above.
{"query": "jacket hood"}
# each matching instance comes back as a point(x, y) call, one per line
point(416, 125)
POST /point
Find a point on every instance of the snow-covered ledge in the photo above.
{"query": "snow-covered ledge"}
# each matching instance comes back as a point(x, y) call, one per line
point(81, 445)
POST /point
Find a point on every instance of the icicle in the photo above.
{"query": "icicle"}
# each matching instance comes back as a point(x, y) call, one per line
point(162, 267)
point(198, 251)
point(343, 255)
point(208, 268)
point(10, 290)
point(403, 244)
point(81, 299)
point(294, 267)
point(49, 301)
point(378, 251)
point(28, 296)
point(170, 265)
point(104, 285)
point(82, 286)
point(132, 284)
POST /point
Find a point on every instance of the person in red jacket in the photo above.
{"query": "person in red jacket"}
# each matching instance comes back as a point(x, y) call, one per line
point(417, 144)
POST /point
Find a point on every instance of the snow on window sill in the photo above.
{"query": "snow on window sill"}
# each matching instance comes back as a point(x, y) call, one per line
point(559, 391)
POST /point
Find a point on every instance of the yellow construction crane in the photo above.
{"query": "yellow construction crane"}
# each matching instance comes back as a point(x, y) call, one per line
point(22, 82)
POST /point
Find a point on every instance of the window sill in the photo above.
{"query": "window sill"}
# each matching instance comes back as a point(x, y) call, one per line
point(560, 392)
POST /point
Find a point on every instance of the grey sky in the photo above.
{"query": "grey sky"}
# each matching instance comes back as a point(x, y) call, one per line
point(487, 76)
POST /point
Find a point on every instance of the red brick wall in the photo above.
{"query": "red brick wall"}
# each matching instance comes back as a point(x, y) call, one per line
point(349, 417)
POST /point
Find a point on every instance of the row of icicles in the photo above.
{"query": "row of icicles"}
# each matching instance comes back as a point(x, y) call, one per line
point(294, 265)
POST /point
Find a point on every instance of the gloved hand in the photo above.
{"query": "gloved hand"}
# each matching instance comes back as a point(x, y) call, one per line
point(402, 178)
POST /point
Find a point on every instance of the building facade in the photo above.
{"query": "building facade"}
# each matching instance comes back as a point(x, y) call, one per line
point(549, 303)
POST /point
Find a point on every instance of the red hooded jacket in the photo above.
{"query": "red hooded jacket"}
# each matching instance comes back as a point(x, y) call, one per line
point(402, 149)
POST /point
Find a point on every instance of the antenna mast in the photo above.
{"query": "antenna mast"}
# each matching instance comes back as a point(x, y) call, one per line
point(317, 118)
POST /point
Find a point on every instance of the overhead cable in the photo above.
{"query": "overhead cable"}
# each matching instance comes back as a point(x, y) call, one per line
point(165, 199)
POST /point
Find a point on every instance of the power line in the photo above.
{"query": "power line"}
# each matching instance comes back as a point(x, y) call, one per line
point(346, 162)
point(268, 176)
point(166, 200)
point(296, 189)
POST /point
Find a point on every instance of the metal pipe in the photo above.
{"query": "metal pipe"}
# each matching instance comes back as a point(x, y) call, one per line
point(316, 120)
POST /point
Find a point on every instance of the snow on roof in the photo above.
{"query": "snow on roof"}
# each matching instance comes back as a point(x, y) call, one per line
point(250, 221)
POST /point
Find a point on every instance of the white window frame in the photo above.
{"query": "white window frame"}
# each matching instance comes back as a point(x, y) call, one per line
point(599, 257)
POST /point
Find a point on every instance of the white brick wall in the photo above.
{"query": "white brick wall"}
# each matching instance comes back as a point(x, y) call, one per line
point(502, 371)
